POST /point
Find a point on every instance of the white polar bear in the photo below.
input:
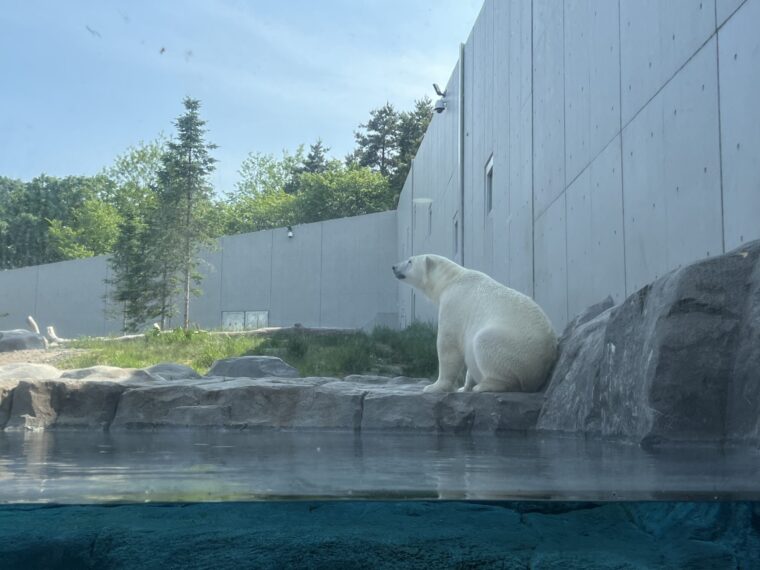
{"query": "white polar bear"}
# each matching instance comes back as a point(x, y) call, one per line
point(502, 337)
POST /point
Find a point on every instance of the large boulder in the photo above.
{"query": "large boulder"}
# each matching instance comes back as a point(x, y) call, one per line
point(20, 339)
point(252, 367)
point(679, 360)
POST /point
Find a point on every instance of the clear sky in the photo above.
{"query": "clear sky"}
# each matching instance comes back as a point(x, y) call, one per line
point(82, 80)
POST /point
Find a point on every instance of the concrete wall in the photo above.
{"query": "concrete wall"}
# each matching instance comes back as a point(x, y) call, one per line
point(331, 274)
point(625, 138)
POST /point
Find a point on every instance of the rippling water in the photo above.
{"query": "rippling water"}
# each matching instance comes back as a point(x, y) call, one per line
point(74, 467)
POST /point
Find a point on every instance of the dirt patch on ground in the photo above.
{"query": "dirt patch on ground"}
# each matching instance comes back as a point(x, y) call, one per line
point(51, 356)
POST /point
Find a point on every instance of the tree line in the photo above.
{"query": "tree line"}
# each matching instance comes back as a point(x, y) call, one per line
point(154, 207)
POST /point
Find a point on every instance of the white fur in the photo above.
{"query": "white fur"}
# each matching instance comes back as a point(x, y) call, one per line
point(502, 337)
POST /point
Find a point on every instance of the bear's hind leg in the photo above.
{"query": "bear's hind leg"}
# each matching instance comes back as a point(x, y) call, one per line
point(510, 384)
point(469, 383)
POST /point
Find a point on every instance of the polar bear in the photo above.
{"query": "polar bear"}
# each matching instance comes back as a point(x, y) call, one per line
point(501, 336)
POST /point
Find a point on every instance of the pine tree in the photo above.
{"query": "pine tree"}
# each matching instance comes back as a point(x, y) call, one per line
point(184, 190)
point(411, 128)
point(316, 160)
point(377, 140)
point(134, 284)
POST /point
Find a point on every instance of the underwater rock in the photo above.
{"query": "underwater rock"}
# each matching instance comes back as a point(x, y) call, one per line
point(21, 339)
point(372, 534)
point(252, 367)
point(679, 360)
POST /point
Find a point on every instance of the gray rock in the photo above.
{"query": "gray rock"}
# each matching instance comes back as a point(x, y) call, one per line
point(172, 371)
point(453, 412)
point(21, 339)
point(678, 360)
point(116, 399)
point(112, 373)
point(47, 404)
point(13, 373)
point(253, 367)
point(28, 371)
point(588, 315)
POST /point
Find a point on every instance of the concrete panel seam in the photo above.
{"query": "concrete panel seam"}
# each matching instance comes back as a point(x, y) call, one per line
point(105, 300)
point(620, 134)
point(221, 278)
point(728, 18)
point(532, 153)
point(667, 82)
point(321, 263)
point(36, 288)
point(564, 152)
point(720, 141)
point(271, 269)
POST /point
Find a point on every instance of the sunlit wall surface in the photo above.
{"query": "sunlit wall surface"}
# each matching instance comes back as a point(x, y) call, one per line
point(329, 274)
point(623, 138)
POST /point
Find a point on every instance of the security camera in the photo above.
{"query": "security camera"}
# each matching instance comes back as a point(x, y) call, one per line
point(440, 106)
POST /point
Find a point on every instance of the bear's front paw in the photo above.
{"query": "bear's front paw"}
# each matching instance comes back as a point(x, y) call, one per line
point(437, 387)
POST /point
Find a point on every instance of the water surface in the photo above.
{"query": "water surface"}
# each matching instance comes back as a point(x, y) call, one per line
point(90, 468)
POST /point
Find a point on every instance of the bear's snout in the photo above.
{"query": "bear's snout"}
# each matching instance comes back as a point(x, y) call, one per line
point(397, 273)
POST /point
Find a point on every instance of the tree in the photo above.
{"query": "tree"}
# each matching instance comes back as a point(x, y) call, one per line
point(133, 277)
point(183, 190)
point(94, 230)
point(377, 141)
point(9, 190)
point(40, 215)
point(411, 128)
point(264, 196)
point(316, 160)
point(341, 192)
point(135, 261)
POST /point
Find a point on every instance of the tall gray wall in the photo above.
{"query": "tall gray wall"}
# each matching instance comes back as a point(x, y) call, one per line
point(331, 274)
point(625, 138)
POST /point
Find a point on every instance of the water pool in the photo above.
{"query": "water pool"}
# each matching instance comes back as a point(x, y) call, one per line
point(273, 499)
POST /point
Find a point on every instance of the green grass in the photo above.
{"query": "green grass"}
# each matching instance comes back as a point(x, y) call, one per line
point(408, 352)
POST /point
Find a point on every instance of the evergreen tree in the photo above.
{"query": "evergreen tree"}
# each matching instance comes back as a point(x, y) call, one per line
point(184, 191)
point(411, 128)
point(132, 285)
point(377, 141)
point(316, 160)
point(134, 282)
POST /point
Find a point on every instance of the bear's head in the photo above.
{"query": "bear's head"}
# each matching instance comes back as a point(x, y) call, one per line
point(422, 271)
point(412, 270)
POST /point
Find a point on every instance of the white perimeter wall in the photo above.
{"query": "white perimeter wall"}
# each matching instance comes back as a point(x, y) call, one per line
point(330, 274)
point(625, 138)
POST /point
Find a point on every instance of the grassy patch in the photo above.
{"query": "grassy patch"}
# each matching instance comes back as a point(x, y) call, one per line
point(383, 351)
point(198, 349)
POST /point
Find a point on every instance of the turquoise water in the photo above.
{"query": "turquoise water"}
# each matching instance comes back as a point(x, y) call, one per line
point(347, 500)
point(372, 534)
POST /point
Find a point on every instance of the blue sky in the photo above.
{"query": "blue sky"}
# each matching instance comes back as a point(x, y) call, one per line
point(84, 80)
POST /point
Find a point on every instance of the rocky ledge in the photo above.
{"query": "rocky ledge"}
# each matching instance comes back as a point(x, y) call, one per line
point(679, 360)
point(171, 396)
